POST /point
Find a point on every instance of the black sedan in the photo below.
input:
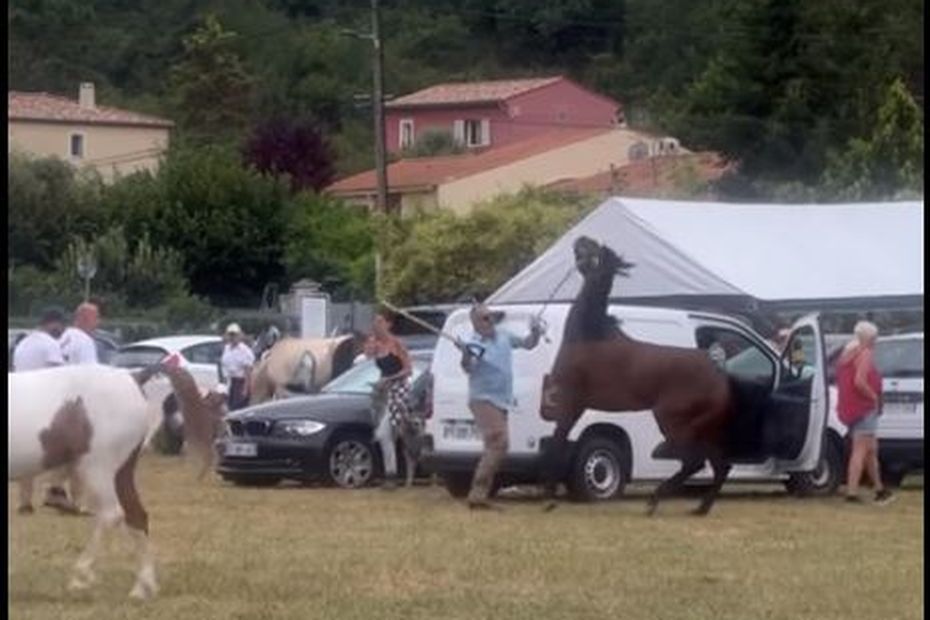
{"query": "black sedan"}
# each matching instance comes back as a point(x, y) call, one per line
point(326, 436)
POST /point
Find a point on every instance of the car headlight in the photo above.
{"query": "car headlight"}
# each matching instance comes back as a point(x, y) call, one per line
point(300, 428)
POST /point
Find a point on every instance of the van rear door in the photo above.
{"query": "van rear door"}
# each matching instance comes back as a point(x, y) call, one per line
point(799, 414)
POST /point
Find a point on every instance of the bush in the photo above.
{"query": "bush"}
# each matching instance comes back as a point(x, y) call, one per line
point(440, 256)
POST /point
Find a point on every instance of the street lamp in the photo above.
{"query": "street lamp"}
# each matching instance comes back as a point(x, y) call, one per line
point(87, 269)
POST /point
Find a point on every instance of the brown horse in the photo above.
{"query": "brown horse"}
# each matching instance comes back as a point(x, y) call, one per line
point(307, 364)
point(599, 367)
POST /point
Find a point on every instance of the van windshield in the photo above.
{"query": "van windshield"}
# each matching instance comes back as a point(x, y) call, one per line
point(900, 359)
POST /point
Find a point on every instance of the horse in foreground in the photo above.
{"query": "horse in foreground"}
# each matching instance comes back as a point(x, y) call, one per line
point(600, 367)
point(307, 364)
point(94, 419)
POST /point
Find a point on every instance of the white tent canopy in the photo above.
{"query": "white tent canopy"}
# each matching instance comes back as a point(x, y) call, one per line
point(865, 254)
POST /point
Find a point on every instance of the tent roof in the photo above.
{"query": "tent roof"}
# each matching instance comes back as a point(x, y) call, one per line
point(772, 255)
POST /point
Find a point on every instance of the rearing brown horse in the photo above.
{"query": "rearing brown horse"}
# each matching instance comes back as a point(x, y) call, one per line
point(600, 367)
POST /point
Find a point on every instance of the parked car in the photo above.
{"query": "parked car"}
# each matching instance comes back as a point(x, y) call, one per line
point(900, 360)
point(198, 354)
point(610, 449)
point(326, 436)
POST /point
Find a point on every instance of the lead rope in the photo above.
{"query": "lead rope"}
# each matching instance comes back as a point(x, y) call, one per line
point(537, 318)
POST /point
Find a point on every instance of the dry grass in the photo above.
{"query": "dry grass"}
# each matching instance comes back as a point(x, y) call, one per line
point(299, 553)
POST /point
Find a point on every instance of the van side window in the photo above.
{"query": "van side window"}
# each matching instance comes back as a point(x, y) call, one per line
point(738, 355)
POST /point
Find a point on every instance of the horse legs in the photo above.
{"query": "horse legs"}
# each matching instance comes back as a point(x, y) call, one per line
point(100, 485)
point(691, 464)
point(553, 460)
point(137, 521)
point(721, 469)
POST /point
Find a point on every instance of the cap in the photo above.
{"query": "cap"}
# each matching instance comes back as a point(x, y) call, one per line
point(233, 328)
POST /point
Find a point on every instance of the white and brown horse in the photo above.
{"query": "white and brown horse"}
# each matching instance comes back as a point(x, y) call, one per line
point(93, 419)
point(307, 364)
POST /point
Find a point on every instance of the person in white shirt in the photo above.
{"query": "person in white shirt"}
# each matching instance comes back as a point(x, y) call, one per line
point(77, 344)
point(38, 350)
point(237, 362)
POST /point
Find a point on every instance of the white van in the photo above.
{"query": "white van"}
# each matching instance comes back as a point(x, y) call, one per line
point(610, 449)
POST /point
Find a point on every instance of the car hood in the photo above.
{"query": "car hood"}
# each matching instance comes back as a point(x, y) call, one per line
point(322, 407)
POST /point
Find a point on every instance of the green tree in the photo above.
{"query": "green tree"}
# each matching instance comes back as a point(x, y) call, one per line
point(211, 90)
point(890, 160)
point(227, 222)
point(441, 256)
point(332, 244)
point(48, 203)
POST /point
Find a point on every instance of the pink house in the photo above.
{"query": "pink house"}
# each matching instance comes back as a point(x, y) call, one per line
point(483, 114)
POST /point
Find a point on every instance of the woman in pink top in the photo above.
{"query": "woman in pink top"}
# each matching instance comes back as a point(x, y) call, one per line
point(859, 391)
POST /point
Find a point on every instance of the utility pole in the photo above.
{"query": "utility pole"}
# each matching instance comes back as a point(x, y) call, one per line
point(380, 155)
point(377, 104)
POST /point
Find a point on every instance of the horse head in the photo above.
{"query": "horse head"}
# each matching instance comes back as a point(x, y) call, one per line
point(593, 259)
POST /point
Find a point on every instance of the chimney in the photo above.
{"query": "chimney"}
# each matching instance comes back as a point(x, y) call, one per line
point(86, 96)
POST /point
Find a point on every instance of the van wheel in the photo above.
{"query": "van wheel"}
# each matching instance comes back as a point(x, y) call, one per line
point(457, 484)
point(598, 472)
point(825, 479)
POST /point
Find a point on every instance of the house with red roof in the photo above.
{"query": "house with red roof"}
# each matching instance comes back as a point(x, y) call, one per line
point(456, 182)
point(111, 140)
point(479, 115)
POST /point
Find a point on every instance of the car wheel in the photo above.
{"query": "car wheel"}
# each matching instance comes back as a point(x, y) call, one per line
point(598, 472)
point(350, 462)
point(457, 484)
point(253, 480)
point(825, 479)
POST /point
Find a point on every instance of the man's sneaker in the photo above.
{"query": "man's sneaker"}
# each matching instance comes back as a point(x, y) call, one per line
point(854, 499)
point(884, 497)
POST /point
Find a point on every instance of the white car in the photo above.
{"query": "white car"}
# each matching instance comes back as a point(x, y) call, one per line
point(200, 355)
point(610, 449)
point(900, 361)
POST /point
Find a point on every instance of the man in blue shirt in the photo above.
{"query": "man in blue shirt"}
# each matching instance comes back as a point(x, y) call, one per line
point(490, 393)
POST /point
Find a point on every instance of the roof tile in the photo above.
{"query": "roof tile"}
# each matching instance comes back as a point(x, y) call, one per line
point(54, 108)
point(471, 92)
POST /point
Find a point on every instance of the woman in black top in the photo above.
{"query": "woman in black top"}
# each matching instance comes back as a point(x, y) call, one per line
point(393, 388)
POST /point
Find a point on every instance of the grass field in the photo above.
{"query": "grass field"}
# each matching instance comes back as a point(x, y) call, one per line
point(293, 552)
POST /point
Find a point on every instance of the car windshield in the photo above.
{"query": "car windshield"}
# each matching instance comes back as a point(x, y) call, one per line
point(900, 359)
point(360, 378)
point(136, 357)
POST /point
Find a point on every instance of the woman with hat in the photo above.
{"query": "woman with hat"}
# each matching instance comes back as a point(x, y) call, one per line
point(237, 362)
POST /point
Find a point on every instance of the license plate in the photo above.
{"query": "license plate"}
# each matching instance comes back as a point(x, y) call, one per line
point(900, 409)
point(241, 449)
point(461, 430)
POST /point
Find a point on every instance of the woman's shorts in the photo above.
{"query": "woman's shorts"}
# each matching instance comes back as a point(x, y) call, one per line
point(866, 425)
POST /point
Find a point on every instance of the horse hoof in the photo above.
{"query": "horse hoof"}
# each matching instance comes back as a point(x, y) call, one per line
point(81, 582)
point(651, 509)
point(143, 591)
point(550, 506)
point(701, 511)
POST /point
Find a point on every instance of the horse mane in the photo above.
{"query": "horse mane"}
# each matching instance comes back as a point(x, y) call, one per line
point(588, 319)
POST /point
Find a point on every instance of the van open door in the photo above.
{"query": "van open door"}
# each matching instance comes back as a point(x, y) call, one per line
point(801, 398)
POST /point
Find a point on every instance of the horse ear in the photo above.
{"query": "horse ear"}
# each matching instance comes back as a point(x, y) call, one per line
point(624, 266)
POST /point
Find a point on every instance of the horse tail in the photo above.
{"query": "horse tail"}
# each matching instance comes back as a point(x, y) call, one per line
point(142, 375)
point(342, 358)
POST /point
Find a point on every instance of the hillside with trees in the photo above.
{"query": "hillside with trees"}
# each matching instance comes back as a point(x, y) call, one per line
point(814, 101)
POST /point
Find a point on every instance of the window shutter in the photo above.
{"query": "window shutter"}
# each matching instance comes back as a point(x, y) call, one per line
point(458, 131)
point(485, 132)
